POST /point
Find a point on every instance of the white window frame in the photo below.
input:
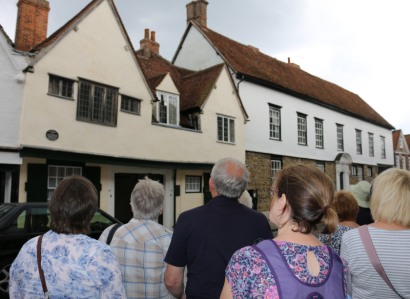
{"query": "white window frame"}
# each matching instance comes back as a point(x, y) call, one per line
point(321, 166)
point(403, 163)
point(225, 129)
point(302, 129)
point(193, 184)
point(168, 109)
point(382, 147)
point(274, 122)
point(60, 87)
point(359, 149)
point(371, 145)
point(360, 175)
point(319, 133)
point(275, 166)
point(339, 137)
point(369, 171)
point(56, 173)
point(354, 170)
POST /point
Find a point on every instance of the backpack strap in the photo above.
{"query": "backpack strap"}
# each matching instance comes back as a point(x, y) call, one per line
point(268, 249)
point(112, 232)
point(373, 257)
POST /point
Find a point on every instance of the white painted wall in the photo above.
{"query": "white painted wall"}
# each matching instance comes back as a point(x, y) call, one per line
point(196, 52)
point(11, 86)
point(186, 201)
point(256, 100)
point(167, 85)
point(87, 53)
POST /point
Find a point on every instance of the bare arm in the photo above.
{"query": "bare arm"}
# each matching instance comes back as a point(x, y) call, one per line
point(226, 291)
point(174, 280)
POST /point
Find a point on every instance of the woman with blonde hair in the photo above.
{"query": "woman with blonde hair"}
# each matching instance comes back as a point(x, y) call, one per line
point(378, 254)
point(295, 264)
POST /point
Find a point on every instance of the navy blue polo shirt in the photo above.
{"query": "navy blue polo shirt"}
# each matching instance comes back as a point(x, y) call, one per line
point(205, 238)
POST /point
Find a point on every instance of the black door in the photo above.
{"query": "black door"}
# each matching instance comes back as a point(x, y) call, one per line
point(36, 186)
point(207, 193)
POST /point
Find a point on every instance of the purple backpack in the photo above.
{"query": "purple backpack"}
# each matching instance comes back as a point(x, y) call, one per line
point(289, 286)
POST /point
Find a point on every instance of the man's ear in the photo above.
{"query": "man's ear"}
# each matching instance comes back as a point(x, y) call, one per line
point(212, 188)
point(211, 183)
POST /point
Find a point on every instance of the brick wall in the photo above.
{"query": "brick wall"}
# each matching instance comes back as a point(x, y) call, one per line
point(260, 181)
point(32, 21)
point(259, 166)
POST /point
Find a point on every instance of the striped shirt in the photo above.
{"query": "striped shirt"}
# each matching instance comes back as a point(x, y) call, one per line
point(140, 246)
point(393, 249)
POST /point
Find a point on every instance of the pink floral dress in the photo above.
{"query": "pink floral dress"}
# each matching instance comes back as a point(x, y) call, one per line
point(249, 275)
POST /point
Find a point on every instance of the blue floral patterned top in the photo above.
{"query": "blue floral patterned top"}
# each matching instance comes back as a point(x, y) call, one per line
point(249, 275)
point(334, 240)
point(75, 266)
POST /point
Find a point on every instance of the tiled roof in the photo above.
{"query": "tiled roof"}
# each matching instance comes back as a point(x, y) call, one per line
point(289, 78)
point(194, 87)
point(407, 137)
point(396, 136)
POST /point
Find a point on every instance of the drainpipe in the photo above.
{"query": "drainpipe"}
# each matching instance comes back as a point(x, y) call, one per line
point(239, 82)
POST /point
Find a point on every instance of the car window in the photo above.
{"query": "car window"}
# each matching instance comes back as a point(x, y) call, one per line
point(100, 221)
point(40, 219)
point(4, 209)
point(18, 223)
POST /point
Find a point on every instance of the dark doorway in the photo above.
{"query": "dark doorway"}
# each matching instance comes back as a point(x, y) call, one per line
point(254, 194)
point(124, 184)
point(2, 186)
point(342, 183)
point(207, 193)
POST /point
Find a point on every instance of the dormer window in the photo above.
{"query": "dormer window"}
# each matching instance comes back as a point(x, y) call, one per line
point(168, 109)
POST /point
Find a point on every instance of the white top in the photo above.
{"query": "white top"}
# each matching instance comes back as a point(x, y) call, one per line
point(393, 249)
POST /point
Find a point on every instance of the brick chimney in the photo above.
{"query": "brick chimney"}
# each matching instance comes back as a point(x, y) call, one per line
point(149, 45)
point(196, 12)
point(32, 20)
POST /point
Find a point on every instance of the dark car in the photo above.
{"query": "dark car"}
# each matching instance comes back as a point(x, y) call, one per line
point(20, 222)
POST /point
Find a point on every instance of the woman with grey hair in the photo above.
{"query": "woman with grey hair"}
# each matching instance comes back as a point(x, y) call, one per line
point(142, 243)
point(246, 199)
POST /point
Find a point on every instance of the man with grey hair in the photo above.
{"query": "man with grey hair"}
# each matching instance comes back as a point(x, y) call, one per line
point(205, 238)
point(142, 243)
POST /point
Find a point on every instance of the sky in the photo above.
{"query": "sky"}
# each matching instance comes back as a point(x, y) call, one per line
point(360, 45)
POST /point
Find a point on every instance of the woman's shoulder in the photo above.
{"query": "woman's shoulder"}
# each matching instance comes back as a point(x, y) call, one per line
point(246, 255)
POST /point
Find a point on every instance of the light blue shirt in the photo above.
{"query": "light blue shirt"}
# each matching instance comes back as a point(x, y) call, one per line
point(75, 266)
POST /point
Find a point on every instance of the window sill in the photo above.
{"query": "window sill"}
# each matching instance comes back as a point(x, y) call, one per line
point(61, 97)
point(224, 142)
point(175, 127)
